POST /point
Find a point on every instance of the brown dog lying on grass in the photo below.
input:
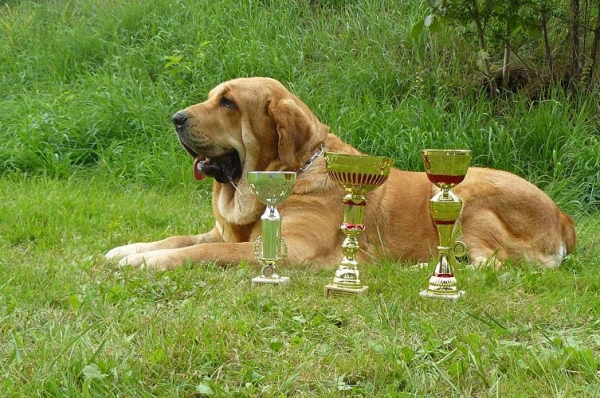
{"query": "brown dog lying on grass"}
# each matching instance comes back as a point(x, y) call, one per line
point(257, 124)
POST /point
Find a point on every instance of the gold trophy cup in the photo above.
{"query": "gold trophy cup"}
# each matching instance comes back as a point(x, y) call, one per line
point(446, 168)
point(358, 175)
point(271, 188)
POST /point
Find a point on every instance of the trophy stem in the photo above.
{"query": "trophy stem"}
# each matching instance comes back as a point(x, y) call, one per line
point(270, 249)
point(271, 234)
point(445, 209)
point(347, 276)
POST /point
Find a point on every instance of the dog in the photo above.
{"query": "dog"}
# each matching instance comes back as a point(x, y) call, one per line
point(255, 124)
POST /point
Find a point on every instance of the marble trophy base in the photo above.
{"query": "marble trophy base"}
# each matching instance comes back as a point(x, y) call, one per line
point(334, 290)
point(451, 296)
point(263, 280)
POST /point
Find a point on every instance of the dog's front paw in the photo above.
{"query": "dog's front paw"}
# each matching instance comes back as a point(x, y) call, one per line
point(153, 260)
point(123, 251)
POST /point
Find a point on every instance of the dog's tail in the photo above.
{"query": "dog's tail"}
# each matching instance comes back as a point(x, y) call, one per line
point(567, 229)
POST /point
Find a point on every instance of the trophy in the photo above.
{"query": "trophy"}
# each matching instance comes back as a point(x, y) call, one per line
point(271, 188)
point(445, 168)
point(357, 175)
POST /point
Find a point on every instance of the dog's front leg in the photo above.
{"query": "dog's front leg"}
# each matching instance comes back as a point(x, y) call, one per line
point(173, 242)
point(224, 254)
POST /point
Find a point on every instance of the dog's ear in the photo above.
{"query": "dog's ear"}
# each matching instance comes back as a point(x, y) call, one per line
point(298, 129)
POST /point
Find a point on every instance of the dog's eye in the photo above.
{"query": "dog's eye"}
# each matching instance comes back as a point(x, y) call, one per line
point(227, 103)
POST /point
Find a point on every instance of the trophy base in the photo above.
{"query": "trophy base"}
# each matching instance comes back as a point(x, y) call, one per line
point(452, 296)
point(334, 290)
point(261, 280)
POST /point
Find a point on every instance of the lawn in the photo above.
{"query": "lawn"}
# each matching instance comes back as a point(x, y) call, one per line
point(73, 325)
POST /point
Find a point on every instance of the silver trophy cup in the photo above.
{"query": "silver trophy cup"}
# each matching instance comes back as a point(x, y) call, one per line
point(271, 188)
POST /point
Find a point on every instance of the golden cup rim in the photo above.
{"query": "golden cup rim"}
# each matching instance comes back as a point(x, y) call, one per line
point(257, 173)
point(454, 166)
point(369, 164)
point(464, 152)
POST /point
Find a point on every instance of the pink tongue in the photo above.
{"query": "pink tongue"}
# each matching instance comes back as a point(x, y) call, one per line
point(198, 175)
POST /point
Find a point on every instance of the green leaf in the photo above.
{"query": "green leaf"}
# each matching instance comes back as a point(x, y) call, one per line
point(92, 371)
point(377, 347)
point(299, 319)
point(429, 20)
point(417, 29)
point(74, 301)
point(458, 368)
point(19, 344)
point(204, 389)
point(514, 22)
point(255, 377)
point(408, 353)
point(275, 345)
point(433, 22)
point(587, 355)
point(342, 385)
point(157, 356)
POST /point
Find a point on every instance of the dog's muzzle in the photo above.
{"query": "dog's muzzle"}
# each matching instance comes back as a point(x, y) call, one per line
point(224, 168)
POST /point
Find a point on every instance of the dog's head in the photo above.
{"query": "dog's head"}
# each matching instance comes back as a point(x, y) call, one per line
point(248, 124)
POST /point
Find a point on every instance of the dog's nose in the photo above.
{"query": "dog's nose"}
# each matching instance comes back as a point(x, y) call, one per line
point(179, 119)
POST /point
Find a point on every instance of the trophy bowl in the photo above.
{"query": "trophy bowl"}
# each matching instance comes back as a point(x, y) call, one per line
point(446, 168)
point(271, 188)
point(357, 175)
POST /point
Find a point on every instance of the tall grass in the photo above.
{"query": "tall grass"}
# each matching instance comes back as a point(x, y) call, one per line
point(92, 84)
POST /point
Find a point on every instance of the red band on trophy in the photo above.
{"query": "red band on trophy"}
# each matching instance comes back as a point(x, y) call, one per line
point(353, 227)
point(445, 179)
point(444, 222)
point(358, 179)
point(351, 202)
point(443, 275)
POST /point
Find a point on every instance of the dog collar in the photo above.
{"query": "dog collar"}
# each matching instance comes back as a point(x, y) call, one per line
point(318, 152)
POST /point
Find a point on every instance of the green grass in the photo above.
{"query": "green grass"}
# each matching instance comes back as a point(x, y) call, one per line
point(73, 325)
point(89, 161)
point(83, 88)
